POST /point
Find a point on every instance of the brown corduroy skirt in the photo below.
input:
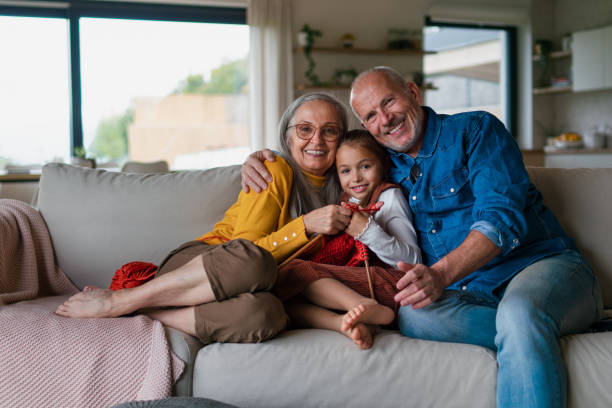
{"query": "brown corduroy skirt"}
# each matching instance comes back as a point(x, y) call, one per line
point(241, 275)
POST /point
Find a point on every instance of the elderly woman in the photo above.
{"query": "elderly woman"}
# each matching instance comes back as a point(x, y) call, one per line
point(218, 285)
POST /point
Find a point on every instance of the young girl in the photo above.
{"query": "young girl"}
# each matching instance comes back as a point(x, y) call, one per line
point(331, 280)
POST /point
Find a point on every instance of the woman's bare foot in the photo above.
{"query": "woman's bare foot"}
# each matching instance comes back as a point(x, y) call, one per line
point(91, 302)
point(367, 312)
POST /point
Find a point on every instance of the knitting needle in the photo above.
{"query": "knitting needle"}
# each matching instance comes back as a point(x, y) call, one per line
point(367, 268)
point(301, 250)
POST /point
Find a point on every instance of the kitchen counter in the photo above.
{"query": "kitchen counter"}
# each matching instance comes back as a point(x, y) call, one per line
point(577, 157)
point(576, 150)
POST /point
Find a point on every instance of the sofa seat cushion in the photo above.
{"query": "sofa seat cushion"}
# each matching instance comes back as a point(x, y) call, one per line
point(320, 368)
point(588, 358)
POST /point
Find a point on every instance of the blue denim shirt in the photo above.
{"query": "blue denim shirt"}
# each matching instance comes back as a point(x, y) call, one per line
point(472, 177)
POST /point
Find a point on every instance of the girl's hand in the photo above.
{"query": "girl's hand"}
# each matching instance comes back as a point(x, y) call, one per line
point(359, 220)
point(328, 220)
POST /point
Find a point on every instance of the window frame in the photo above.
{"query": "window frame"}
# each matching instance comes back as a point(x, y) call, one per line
point(73, 10)
point(511, 64)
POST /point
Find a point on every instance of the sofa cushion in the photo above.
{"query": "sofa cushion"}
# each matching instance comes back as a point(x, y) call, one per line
point(321, 368)
point(581, 199)
point(99, 220)
point(588, 358)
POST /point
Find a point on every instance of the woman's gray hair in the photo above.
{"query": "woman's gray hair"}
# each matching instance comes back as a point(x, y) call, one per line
point(304, 197)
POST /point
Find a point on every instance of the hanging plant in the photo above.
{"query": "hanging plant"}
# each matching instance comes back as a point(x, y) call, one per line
point(310, 35)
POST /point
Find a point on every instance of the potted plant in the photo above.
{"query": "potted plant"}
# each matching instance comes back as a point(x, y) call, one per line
point(79, 158)
point(344, 76)
point(347, 40)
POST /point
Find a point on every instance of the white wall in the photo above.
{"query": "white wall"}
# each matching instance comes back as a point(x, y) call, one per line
point(575, 111)
point(581, 110)
point(368, 20)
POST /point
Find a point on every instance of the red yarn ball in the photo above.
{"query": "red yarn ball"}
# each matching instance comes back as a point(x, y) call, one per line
point(133, 274)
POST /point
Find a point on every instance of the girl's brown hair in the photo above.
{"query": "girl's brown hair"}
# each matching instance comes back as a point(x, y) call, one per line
point(364, 139)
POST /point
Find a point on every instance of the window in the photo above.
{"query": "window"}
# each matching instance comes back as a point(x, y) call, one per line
point(34, 91)
point(472, 69)
point(127, 81)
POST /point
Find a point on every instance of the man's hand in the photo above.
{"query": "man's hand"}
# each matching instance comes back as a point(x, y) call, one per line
point(420, 286)
point(254, 174)
point(328, 220)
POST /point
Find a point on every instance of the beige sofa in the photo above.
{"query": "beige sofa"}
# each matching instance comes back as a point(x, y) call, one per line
point(99, 220)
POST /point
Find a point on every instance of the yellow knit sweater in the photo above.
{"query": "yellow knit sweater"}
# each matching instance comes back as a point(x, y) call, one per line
point(264, 218)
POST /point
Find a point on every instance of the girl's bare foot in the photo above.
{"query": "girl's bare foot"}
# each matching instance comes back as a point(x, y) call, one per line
point(361, 336)
point(91, 302)
point(368, 312)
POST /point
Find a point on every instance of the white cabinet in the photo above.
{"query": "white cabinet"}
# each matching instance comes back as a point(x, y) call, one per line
point(592, 59)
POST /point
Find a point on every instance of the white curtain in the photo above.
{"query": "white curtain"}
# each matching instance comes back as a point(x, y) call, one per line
point(270, 68)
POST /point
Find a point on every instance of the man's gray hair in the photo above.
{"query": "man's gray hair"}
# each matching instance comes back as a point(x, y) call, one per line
point(304, 197)
point(389, 72)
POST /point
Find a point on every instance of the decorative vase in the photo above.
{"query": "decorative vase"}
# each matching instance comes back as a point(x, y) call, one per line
point(302, 39)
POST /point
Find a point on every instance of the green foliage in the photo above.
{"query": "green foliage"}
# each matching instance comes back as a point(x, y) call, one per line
point(310, 38)
point(229, 78)
point(111, 142)
point(79, 151)
point(194, 84)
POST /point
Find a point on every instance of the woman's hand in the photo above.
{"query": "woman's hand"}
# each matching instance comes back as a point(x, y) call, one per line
point(254, 174)
point(328, 220)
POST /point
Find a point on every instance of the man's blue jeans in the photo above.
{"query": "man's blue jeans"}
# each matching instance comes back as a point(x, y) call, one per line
point(555, 296)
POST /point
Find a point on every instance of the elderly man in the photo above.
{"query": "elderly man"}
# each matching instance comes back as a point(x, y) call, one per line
point(498, 269)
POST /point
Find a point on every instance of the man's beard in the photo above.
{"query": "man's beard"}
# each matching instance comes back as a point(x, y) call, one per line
point(403, 148)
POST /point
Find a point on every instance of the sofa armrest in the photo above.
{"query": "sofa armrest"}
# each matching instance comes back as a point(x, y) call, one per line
point(186, 348)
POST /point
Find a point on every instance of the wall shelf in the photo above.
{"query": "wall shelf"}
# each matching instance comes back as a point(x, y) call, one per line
point(554, 55)
point(552, 90)
point(366, 51)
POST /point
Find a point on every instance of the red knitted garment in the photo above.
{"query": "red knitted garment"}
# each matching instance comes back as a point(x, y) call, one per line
point(342, 249)
point(133, 274)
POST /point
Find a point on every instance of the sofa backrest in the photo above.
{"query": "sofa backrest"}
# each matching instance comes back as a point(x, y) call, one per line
point(99, 220)
point(581, 199)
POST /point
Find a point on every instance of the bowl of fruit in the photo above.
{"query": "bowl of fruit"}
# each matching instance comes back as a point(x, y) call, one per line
point(568, 140)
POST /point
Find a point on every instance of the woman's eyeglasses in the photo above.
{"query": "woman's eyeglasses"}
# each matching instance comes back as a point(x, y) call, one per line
point(306, 132)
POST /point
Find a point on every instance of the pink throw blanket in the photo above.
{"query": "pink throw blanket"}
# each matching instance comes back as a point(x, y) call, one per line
point(27, 263)
point(52, 361)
